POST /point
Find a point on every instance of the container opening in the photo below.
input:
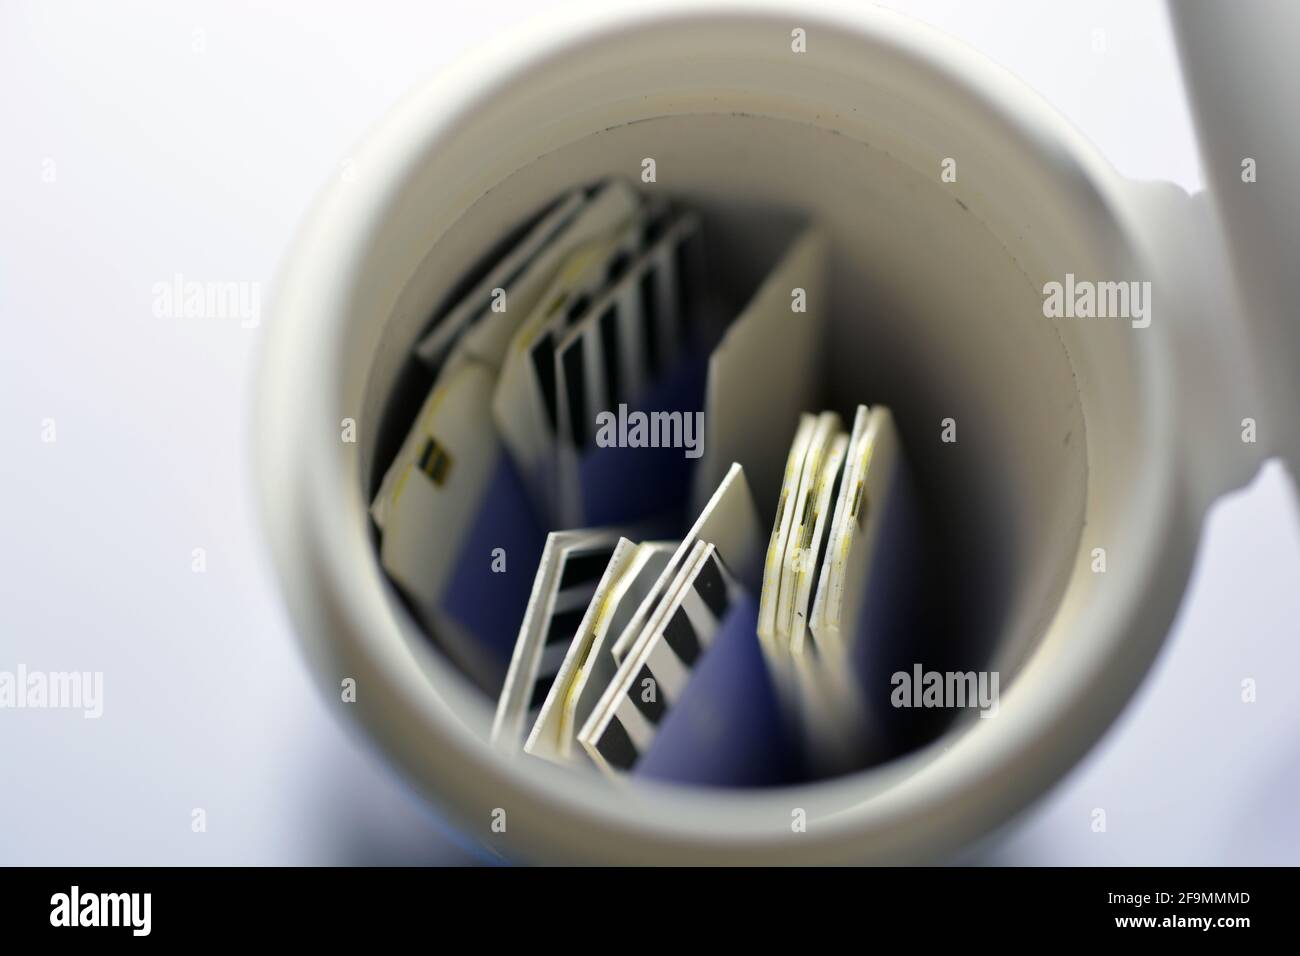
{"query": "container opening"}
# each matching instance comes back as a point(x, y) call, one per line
point(931, 314)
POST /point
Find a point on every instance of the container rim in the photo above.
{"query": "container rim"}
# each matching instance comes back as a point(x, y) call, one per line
point(311, 496)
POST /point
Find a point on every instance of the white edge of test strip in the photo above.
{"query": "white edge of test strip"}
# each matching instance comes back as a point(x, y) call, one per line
point(647, 553)
point(828, 423)
point(781, 530)
point(832, 562)
point(806, 565)
point(434, 344)
point(632, 631)
point(507, 723)
point(875, 454)
point(543, 737)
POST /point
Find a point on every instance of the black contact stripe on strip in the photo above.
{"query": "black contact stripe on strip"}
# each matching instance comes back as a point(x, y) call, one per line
point(564, 625)
point(543, 355)
point(617, 267)
point(583, 567)
point(609, 347)
point(616, 746)
point(712, 588)
point(681, 637)
point(652, 710)
point(649, 289)
point(541, 688)
point(654, 229)
point(576, 309)
point(575, 382)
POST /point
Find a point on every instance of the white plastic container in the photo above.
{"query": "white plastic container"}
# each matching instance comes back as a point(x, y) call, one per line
point(1073, 434)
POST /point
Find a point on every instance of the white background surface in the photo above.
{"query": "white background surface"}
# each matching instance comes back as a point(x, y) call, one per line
point(190, 137)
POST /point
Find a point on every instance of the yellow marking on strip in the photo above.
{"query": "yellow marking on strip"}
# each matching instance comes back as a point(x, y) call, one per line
point(572, 270)
point(435, 401)
point(401, 483)
point(439, 462)
point(859, 497)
